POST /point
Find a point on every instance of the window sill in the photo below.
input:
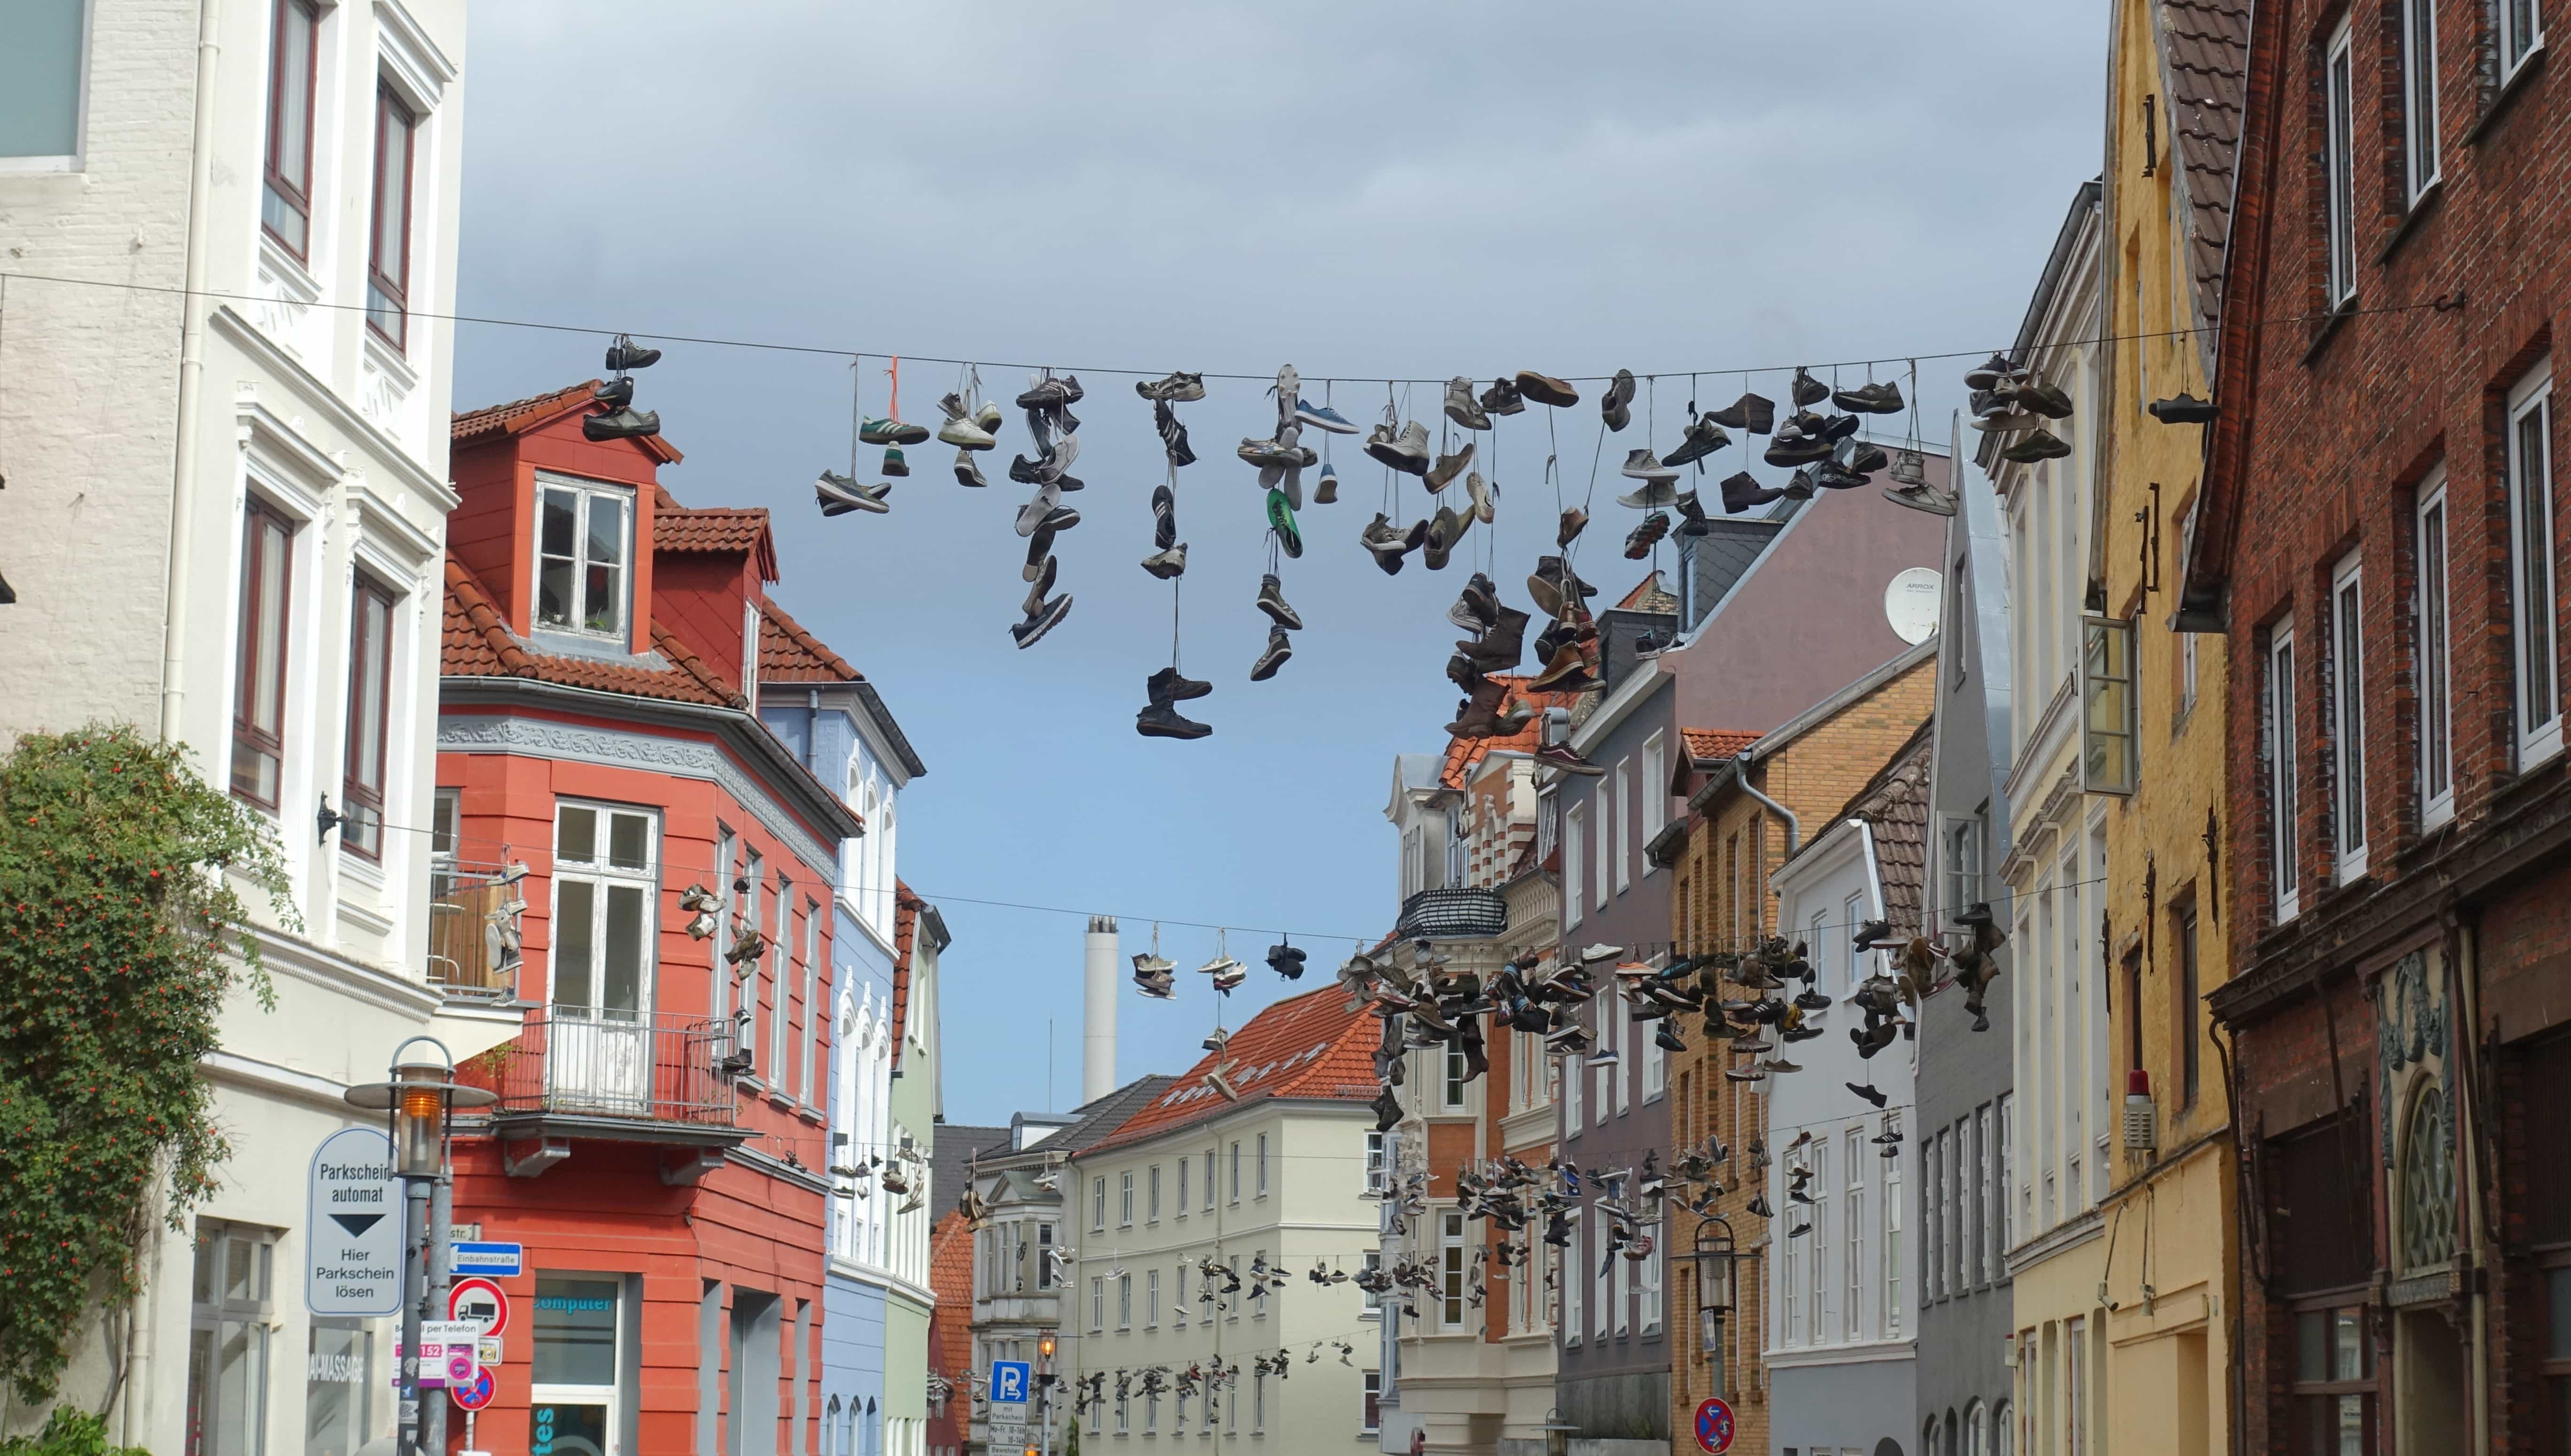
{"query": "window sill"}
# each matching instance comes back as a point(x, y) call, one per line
point(2328, 328)
point(2509, 88)
point(2421, 207)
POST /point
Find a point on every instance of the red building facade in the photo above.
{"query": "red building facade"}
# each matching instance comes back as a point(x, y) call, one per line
point(659, 1144)
point(2380, 538)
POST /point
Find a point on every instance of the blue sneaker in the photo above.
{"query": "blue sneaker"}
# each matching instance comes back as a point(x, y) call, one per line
point(1322, 417)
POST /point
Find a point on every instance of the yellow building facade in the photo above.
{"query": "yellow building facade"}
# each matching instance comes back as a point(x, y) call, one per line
point(2169, 1210)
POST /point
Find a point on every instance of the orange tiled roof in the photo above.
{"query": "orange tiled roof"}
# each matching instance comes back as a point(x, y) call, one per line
point(714, 527)
point(521, 415)
point(1308, 1046)
point(476, 642)
point(1711, 743)
point(906, 905)
point(950, 1278)
point(788, 652)
point(1463, 754)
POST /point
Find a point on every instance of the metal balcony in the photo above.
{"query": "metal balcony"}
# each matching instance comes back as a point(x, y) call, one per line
point(1454, 915)
point(465, 962)
point(611, 1076)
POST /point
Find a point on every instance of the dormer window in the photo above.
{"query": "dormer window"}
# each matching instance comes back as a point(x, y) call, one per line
point(583, 544)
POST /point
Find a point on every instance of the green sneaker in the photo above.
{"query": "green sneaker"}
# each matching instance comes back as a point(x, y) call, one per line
point(1281, 519)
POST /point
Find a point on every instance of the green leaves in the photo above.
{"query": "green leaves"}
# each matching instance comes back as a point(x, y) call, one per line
point(120, 932)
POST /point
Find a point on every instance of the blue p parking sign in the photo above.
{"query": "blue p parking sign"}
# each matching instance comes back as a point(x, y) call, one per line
point(1010, 1381)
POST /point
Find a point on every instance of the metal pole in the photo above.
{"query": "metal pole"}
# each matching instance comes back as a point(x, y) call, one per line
point(441, 1212)
point(414, 1284)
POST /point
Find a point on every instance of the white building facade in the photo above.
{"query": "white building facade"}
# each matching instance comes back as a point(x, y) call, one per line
point(224, 412)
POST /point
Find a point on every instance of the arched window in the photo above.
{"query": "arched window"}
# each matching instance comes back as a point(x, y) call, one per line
point(1978, 1430)
point(2427, 1185)
point(830, 1430)
point(2003, 1431)
point(1928, 1437)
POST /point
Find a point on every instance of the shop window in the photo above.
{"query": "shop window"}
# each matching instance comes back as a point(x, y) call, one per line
point(572, 1400)
point(231, 1320)
point(2333, 1389)
point(345, 1389)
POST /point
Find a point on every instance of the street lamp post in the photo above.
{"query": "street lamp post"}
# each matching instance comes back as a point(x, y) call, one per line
point(417, 1099)
point(1044, 1390)
point(1716, 1292)
point(1558, 1433)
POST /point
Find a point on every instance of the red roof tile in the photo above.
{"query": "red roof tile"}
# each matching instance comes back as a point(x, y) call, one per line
point(1309, 1046)
point(1648, 596)
point(476, 642)
point(1464, 754)
point(1707, 744)
point(518, 416)
point(719, 529)
point(950, 1278)
point(788, 652)
point(906, 905)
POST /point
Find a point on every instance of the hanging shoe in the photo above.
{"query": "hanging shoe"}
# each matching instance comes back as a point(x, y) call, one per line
point(1167, 564)
point(1574, 521)
point(2039, 444)
point(1044, 619)
point(1990, 373)
point(891, 432)
point(1743, 491)
point(1545, 389)
point(615, 393)
point(1642, 464)
point(1272, 600)
point(1615, 406)
point(1048, 498)
point(1280, 648)
point(1168, 685)
point(2182, 408)
point(1325, 491)
point(1692, 517)
point(1276, 455)
point(969, 471)
point(623, 424)
point(1503, 398)
point(1177, 388)
point(1165, 517)
point(2009, 422)
point(1387, 542)
point(1796, 449)
point(1461, 408)
point(2044, 400)
point(1281, 519)
point(1045, 574)
point(1161, 720)
point(1831, 475)
point(1567, 672)
point(840, 494)
point(964, 434)
point(1444, 529)
point(1482, 496)
point(1039, 546)
point(893, 463)
point(1884, 398)
point(1478, 609)
point(1668, 1039)
point(1640, 541)
point(1174, 435)
point(1405, 450)
point(1444, 473)
point(1704, 437)
point(1859, 457)
point(624, 353)
point(1756, 413)
point(1806, 390)
point(1322, 417)
point(1051, 396)
point(1922, 497)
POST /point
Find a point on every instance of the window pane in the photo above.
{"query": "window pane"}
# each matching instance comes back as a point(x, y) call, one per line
point(40, 78)
point(2351, 722)
point(574, 916)
point(267, 627)
point(2535, 570)
point(338, 1386)
point(629, 841)
point(576, 834)
point(559, 531)
point(575, 1338)
point(625, 912)
point(605, 530)
point(2557, 1299)
point(390, 255)
point(2437, 765)
point(241, 1389)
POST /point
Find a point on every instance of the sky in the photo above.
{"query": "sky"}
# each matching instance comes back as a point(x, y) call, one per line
point(1363, 191)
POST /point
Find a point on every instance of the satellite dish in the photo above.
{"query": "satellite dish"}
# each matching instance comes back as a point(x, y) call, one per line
point(1910, 604)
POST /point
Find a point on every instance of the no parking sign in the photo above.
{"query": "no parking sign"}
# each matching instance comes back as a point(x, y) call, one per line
point(1714, 1426)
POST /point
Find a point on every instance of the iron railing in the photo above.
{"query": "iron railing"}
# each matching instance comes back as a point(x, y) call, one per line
point(464, 901)
point(1454, 914)
point(639, 1065)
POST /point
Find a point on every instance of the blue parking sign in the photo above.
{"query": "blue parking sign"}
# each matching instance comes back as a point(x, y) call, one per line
point(1010, 1381)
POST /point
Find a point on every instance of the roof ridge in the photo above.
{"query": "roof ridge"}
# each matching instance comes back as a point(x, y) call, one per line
point(803, 638)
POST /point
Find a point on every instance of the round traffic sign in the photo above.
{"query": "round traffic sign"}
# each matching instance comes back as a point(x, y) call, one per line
point(473, 1396)
point(1714, 1428)
point(480, 1301)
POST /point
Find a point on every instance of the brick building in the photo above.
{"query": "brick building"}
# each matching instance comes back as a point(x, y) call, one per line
point(2380, 544)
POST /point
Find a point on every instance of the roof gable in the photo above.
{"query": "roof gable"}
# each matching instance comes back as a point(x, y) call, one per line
point(1310, 1046)
point(523, 416)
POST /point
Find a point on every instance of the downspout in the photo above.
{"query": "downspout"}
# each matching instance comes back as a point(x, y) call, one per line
point(192, 371)
point(2463, 990)
point(1794, 825)
point(143, 1325)
point(813, 731)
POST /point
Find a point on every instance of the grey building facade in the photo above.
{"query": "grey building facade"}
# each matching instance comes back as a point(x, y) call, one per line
point(1964, 1076)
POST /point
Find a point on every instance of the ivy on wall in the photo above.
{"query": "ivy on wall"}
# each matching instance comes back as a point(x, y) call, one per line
point(122, 930)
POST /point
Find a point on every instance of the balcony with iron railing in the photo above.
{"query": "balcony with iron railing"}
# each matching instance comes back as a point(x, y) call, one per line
point(1454, 915)
point(577, 1072)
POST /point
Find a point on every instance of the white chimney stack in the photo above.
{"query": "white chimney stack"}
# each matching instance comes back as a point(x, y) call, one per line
point(1098, 1038)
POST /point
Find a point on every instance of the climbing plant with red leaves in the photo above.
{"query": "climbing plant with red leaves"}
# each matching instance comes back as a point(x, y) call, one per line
point(122, 932)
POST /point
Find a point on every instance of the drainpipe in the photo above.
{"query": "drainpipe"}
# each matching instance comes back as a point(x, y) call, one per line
point(812, 730)
point(192, 371)
point(143, 1326)
point(1793, 827)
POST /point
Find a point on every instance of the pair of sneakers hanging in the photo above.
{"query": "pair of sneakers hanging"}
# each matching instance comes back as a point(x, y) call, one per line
point(1051, 427)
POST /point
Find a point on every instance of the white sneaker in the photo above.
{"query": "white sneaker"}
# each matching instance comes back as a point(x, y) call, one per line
point(964, 434)
point(1033, 513)
point(1485, 499)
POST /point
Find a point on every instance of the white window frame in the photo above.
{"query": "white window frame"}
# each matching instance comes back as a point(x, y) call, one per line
point(1097, 1205)
point(2520, 36)
point(1892, 1251)
point(806, 1076)
point(2347, 717)
point(1852, 1318)
point(1655, 795)
point(1454, 1090)
point(585, 494)
point(1651, 1279)
point(604, 876)
point(1125, 1199)
point(2338, 166)
point(1124, 1302)
point(1604, 801)
point(1151, 1196)
point(1450, 1270)
point(1574, 822)
point(1571, 1101)
point(1263, 1166)
point(1151, 1299)
point(2532, 637)
point(2419, 157)
point(1369, 1384)
point(1623, 848)
point(2110, 710)
point(1180, 1207)
point(2433, 608)
point(2277, 710)
point(1378, 1162)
